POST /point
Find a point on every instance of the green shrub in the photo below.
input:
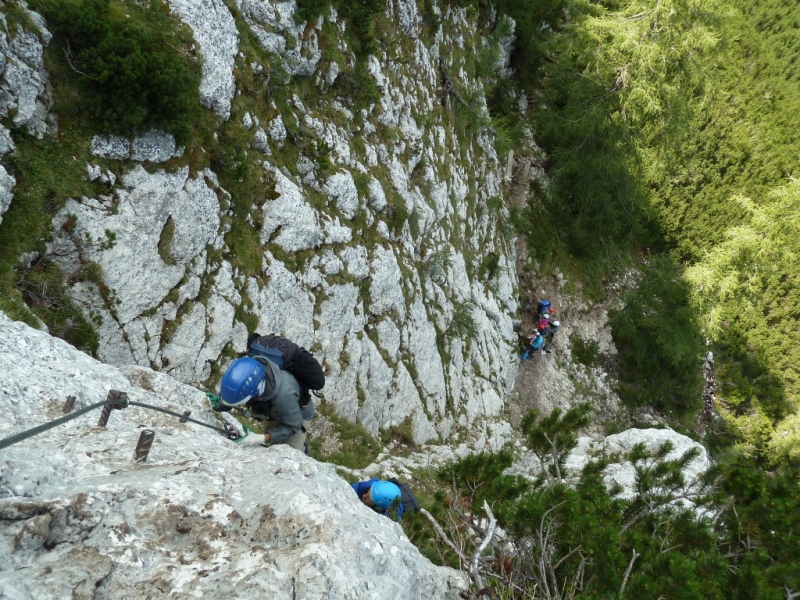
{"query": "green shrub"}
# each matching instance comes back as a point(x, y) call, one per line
point(131, 62)
point(488, 267)
point(586, 539)
point(463, 324)
point(360, 15)
point(356, 447)
point(583, 352)
point(659, 342)
point(309, 10)
point(42, 287)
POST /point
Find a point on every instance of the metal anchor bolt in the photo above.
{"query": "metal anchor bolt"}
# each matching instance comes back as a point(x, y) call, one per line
point(69, 404)
point(143, 446)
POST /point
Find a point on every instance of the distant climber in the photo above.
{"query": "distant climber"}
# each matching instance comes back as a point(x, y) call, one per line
point(528, 309)
point(544, 322)
point(270, 382)
point(544, 307)
point(383, 497)
point(552, 330)
point(533, 344)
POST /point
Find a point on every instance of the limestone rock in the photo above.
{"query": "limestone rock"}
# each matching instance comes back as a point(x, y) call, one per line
point(25, 85)
point(7, 182)
point(342, 188)
point(344, 231)
point(153, 146)
point(200, 517)
point(215, 30)
point(621, 472)
point(132, 262)
point(624, 473)
point(291, 216)
point(270, 22)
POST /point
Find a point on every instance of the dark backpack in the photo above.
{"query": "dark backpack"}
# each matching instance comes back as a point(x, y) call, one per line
point(407, 498)
point(543, 306)
point(289, 357)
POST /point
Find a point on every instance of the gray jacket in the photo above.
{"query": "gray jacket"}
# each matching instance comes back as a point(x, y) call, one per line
point(280, 403)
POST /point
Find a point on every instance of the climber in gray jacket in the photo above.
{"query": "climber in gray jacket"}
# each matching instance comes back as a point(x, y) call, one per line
point(267, 391)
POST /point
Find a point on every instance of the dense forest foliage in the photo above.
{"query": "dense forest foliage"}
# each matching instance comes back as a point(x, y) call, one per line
point(672, 147)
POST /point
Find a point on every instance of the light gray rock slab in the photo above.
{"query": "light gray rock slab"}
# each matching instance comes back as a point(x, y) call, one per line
point(376, 195)
point(335, 232)
point(261, 142)
point(283, 305)
point(7, 183)
point(25, 85)
point(131, 265)
point(386, 291)
point(355, 260)
point(115, 147)
point(215, 31)
point(422, 348)
point(389, 337)
point(6, 143)
point(271, 21)
point(190, 519)
point(342, 188)
point(154, 146)
point(277, 130)
point(295, 221)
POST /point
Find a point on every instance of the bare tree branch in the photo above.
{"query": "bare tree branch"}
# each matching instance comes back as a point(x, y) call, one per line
point(474, 564)
point(442, 535)
point(628, 572)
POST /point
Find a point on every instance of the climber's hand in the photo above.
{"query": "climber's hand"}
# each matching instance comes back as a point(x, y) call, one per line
point(251, 439)
point(216, 403)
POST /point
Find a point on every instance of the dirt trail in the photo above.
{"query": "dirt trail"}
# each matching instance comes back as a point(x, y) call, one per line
point(552, 380)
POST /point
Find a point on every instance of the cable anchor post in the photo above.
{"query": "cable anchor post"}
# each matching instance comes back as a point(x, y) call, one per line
point(120, 401)
point(69, 405)
point(143, 446)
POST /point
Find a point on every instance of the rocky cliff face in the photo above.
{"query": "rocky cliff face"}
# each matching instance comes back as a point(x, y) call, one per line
point(373, 295)
point(80, 519)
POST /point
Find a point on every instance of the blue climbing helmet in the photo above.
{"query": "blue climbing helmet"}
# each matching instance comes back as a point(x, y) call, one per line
point(244, 379)
point(384, 494)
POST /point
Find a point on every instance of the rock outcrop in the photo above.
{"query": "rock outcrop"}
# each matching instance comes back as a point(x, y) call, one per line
point(201, 517)
point(375, 229)
point(25, 96)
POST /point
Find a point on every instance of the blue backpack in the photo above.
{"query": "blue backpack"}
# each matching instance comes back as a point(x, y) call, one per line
point(543, 306)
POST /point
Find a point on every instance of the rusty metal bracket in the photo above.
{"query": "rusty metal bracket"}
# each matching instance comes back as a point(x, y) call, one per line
point(69, 404)
point(122, 401)
point(143, 446)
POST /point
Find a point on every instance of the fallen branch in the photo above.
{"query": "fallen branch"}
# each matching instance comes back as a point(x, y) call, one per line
point(442, 535)
point(474, 571)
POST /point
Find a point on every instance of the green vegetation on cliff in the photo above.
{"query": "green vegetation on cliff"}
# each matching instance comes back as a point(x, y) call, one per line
point(130, 65)
point(733, 536)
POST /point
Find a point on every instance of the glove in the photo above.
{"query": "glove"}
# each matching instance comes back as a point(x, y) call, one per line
point(251, 439)
point(216, 403)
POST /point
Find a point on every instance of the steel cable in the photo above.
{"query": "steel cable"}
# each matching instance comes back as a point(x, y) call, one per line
point(5, 443)
point(120, 403)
